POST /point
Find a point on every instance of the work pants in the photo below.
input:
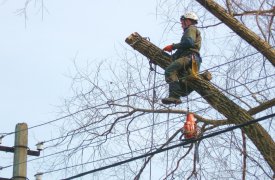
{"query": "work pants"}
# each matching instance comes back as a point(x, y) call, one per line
point(175, 74)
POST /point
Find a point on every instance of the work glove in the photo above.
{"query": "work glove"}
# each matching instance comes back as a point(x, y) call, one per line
point(168, 48)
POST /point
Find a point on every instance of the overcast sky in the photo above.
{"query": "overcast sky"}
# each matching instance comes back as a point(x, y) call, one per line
point(37, 55)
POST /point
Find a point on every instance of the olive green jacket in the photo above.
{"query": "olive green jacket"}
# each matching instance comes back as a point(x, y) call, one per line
point(190, 43)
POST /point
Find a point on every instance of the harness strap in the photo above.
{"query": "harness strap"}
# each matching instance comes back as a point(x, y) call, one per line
point(194, 69)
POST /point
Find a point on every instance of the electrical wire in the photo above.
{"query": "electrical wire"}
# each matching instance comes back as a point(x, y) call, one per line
point(107, 158)
point(95, 142)
point(169, 119)
point(253, 81)
point(85, 145)
point(42, 124)
point(129, 118)
point(222, 90)
point(186, 142)
point(89, 145)
point(106, 103)
point(234, 60)
point(82, 110)
point(101, 140)
point(225, 90)
point(110, 137)
point(123, 154)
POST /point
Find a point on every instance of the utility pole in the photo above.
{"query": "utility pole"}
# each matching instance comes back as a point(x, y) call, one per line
point(20, 151)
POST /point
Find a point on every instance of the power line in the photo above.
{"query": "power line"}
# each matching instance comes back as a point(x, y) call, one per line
point(76, 112)
point(89, 162)
point(102, 140)
point(89, 145)
point(85, 145)
point(234, 60)
point(106, 103)
point(186, 142)
point(116, 100)
point(107, 158)
point(99, 140)
point(254, 80)
point(121, 121)
point(115, 135)
point(223, 90)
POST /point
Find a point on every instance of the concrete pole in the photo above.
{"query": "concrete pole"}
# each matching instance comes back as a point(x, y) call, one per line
point(20, 152)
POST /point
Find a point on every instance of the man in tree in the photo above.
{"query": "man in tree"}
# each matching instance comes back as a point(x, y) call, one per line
point(186, 50)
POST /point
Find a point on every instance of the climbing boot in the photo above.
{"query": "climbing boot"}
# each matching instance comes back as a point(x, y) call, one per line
point(171, 100)
point(174, 94)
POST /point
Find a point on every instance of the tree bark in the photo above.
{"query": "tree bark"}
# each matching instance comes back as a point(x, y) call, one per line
point(234, 113)
point(240, 29)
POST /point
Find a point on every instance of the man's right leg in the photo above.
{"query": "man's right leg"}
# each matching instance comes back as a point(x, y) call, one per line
point(171, 77)
point(174, 94)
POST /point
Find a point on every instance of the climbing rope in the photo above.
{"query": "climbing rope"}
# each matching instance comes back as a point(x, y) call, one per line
point(167, 137)
point(153, 108)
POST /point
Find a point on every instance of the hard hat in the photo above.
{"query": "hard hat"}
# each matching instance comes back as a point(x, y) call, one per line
point(190, 15)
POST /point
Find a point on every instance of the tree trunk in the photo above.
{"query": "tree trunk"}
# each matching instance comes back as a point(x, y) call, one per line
point(245, 33)
point(234, 113)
